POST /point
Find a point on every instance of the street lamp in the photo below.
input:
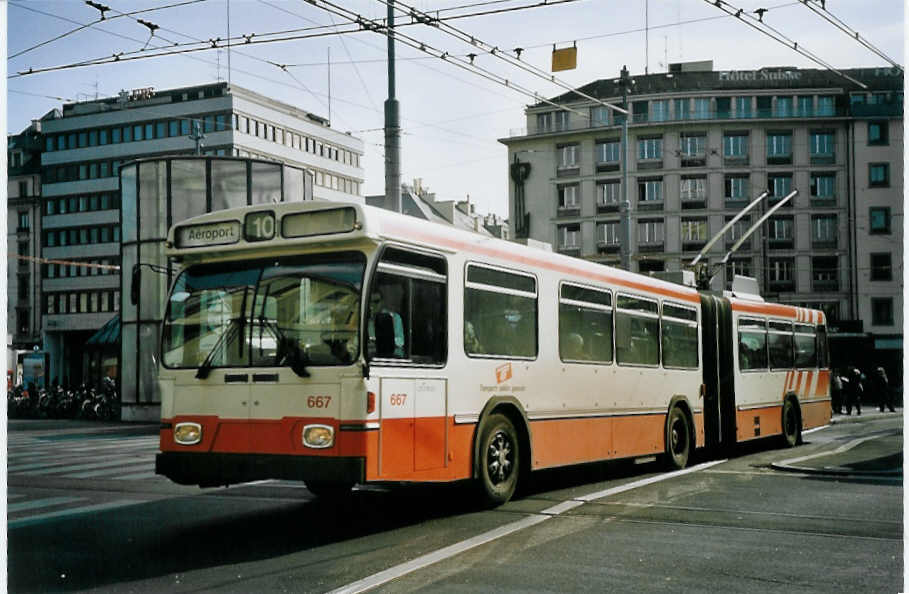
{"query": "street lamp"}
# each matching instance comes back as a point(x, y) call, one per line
point(625, 244)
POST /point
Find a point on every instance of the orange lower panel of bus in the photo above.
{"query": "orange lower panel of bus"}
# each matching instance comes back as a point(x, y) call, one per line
point(560, 442)
point(767, 421)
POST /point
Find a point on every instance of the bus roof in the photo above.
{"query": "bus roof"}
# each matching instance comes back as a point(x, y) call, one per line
point(231, 234)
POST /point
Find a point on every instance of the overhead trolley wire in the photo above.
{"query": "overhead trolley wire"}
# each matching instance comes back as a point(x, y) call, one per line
point(759, 25)
point(453, 31)
point(839, 24)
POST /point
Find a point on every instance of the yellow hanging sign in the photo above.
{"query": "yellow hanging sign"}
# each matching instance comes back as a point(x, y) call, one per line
point(564, 59)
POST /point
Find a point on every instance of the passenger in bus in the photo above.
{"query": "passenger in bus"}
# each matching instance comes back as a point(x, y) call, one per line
point(382, 300)
point(471, 342)
point(573, 347)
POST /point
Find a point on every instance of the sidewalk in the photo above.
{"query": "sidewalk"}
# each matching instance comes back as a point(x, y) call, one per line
point(878, 454)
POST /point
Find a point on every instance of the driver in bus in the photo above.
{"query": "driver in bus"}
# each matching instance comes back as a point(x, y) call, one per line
point(382, 300)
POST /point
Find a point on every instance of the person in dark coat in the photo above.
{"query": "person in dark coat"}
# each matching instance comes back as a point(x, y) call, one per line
point(854, 391)
point(882, 389)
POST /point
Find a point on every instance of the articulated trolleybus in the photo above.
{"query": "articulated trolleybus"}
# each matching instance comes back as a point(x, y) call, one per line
point(337, 344)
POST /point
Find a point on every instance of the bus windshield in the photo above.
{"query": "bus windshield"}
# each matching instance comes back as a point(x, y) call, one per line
point(290, 311)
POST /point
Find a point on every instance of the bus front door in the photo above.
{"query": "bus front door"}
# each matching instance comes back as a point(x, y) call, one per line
point(413, 435)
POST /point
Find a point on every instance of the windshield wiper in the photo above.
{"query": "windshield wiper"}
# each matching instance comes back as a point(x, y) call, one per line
point(293, 356)
point(206, 366)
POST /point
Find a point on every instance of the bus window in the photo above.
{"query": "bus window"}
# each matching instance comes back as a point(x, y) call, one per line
point(823, 351)
point(500, 313)
point(779, 343)
point(585, 324)
point(265, 313)
point(805, 351)
point(407, 309)
point(637, 331)
point(752, 345)
point(680, 336)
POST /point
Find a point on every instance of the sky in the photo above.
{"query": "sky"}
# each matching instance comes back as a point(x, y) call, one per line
point(451, 119)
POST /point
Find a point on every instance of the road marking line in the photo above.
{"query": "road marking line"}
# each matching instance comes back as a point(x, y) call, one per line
point(403, 569)
point(71, 512)
point(89, 466)
point(39, 503)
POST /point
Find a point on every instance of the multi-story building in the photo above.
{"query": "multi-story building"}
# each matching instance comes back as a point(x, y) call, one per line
point(23, 281)
point(80, 207)
point(701, 145)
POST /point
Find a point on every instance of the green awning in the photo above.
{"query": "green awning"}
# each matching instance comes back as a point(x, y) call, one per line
point(108, 334)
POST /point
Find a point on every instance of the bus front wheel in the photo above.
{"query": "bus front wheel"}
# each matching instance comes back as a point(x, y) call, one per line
point(499, 459)
point(678, 439)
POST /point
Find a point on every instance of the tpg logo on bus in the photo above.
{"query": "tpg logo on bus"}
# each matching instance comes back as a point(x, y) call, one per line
point(211, 234)
point(503, 373)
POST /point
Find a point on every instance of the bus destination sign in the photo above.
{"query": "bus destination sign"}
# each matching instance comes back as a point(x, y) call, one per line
point(222, 233)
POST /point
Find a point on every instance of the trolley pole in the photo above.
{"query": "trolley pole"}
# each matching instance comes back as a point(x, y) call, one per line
point(625, 244)
point(392, 126)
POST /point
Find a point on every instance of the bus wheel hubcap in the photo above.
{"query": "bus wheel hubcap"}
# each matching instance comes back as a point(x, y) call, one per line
point(499, 459)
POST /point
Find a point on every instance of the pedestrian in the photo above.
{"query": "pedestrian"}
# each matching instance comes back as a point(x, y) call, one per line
point(882, 388)
point(854, 390)
point(836, 391)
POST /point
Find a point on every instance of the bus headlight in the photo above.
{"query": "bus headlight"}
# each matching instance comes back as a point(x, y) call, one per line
point(188, 433)
point(318, 436)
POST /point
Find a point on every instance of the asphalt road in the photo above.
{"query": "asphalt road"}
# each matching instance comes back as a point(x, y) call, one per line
point(85, 512)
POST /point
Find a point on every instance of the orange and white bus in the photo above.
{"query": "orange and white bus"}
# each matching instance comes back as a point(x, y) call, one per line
point(336, 344)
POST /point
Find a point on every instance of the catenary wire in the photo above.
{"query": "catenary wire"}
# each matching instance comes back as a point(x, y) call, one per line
point(839, 24)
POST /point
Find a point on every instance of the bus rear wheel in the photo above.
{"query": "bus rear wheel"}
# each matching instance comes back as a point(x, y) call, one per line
point(499, 459)
point(678, 439)
point(792, 427)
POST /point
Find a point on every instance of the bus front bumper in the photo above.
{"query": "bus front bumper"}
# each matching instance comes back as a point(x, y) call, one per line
point(215, 469)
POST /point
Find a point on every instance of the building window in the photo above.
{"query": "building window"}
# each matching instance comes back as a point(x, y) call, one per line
point(806, 106)
point(736, 187)
point(568, 156)
point(824, 270)
point(568, 197)
point(570, 237)
point(659, 110)
point(825, 106)
point(779, 148)
point(599, 116)
point(693, 188)
point(608, 193)
point(737, 266)
point(780, 270)
point(879, 220)
point(693, 149)
point(650, 190)
point(779, 185)
point(877, 133)
point(743, 107)
point(823, 230)
point(881, 311)
point(783, 107)
point(683, 109)
point(608, 233)
point(650, 148)
point(23, 224)
point(821, 144)
point(651, 232)
point(608, 152)
point(881, 267)
point(694, 230)
point(823, 186)
point(780, 229)
point(738, 230)
point(879, 175)
point(735, 146)
point(701, 108)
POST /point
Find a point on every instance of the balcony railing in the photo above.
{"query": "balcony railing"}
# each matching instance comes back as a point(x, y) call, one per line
point(759, 114)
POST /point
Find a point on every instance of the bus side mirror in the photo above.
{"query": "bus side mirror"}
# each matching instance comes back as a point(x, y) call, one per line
point(385, 335)
point(135, 283)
